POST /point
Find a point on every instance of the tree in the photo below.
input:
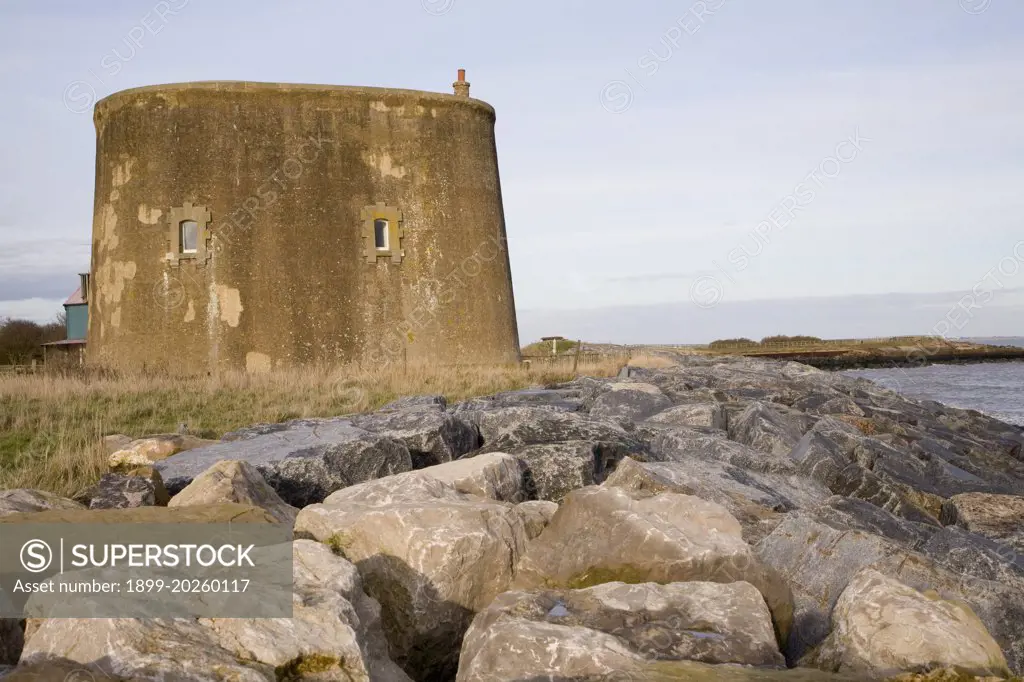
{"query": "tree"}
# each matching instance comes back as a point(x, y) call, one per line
point(789, 339)
point(21, 340)
point(730, 343)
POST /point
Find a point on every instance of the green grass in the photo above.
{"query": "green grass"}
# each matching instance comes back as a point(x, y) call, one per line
point(51, 427)
point(544, 347)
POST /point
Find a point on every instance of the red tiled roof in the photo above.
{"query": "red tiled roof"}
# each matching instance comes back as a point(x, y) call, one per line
point(75, 298)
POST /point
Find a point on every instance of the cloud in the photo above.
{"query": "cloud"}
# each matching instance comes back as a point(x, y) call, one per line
point(828, 317)
point(657, 277)
point(24, 287)
point(41, 268)
point(35, 309)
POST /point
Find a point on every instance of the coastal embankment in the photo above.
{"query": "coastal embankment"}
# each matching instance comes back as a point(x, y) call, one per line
point(701, 518)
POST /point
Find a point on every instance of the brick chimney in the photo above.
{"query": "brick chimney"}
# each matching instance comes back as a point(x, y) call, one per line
point(461, 86)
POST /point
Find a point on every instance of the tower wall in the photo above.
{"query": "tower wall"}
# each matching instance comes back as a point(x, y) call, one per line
point(285, 183)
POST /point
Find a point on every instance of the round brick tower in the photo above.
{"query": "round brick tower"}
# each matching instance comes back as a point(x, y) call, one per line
point(258, 226)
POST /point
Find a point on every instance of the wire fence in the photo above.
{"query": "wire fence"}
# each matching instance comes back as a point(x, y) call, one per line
point(21, 369)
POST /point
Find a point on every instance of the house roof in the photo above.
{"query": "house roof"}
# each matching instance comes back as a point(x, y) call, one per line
point(75, 298)
point(66, 342)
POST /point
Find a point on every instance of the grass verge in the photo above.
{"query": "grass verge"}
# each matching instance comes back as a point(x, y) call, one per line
point(51, 426)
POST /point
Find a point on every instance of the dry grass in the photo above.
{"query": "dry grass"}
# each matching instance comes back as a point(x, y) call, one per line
point(51, 426)
point(651, 362)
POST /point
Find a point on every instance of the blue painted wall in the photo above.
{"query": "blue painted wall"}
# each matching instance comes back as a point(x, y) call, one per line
point(78, 320)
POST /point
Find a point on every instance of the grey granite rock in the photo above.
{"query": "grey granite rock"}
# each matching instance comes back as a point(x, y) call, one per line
point(975, 556)
point(757, 500)
point(827, 401)
point(416, 402)
point(432, 435)
point(431, 555)
point(826, 454)
point(335, 633)
point(678, 444)
point(923, 468)
point(506, 429)
point(556, 469)
point(303, 463)
point(819, 561)
point(607, 534)
point(233, 481)
point(848, 513)
point(882, 628)
point(493, 475)
point(22, 500)
point(569, 398)
point(710, 414)
point(765, 429)
point(536, 515)
point(553, 632)
point(629, 401)
point(121, 491)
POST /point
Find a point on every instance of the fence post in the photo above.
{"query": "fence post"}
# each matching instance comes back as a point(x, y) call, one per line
point(576, 360)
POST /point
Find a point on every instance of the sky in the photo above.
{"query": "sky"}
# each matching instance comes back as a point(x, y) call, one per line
point(733, 167)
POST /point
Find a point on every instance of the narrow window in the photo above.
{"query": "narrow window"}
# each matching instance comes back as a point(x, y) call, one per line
point(380, 234)
point(189, 236)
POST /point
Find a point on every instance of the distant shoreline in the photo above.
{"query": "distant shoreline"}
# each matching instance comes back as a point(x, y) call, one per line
point(844, 362)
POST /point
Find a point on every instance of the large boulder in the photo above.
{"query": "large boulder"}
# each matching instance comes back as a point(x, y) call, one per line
point(881, 627)
point(975, 556)
point(434, 402)
point(928, 468)
point(556, 469)
point(432, 435)
point(701, 621)
point(506, 429)
point(819, 561)
point(568, 398)
point(710, 414)
point(848, 513)
point(145, 452)
point(22, 500)
point(756, 499)
point(334, 634)
point(536, 515)
point(682, 444)
point(827, 402)
point(142, 488)
point(611, 534)
point(827, 453)
point(234, 481)
point(997, 517)
point(629, 401)
point(116, 441)
point(765, 429)
point(304, 463)
point(494, 475)
point(432, 556)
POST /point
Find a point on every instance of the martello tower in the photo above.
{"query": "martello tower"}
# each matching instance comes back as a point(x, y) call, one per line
point(258, 225)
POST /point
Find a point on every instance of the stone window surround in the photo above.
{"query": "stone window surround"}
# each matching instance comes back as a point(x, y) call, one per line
point(396, 232)
point(201, 216)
